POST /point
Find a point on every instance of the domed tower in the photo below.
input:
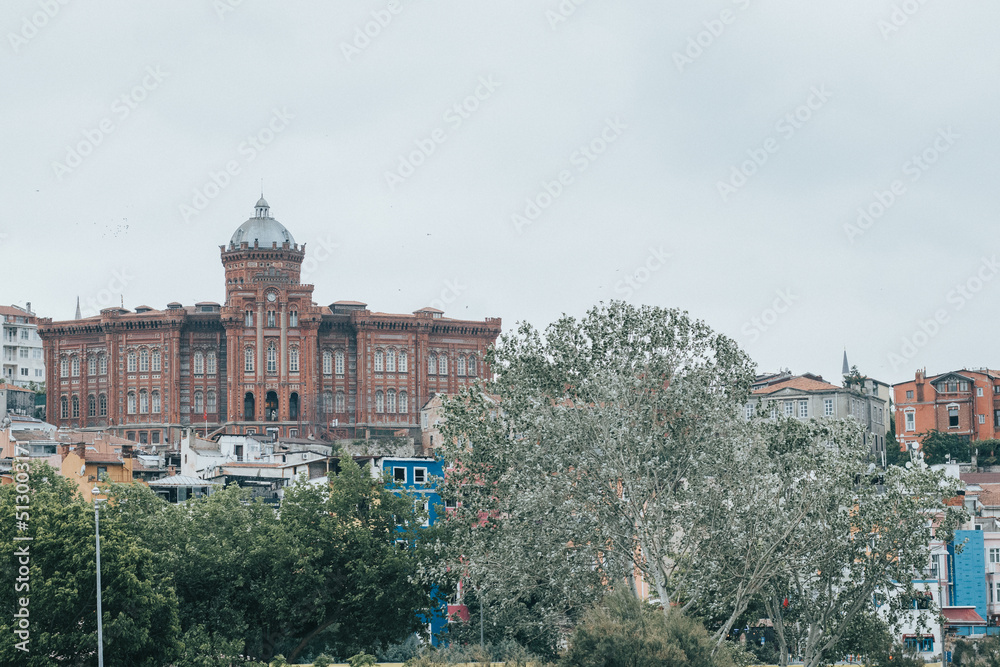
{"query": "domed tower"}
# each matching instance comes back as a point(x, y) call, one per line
point(270, 324)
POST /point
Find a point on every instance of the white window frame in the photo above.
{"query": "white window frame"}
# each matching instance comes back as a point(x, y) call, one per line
point(420, 475)
point(395, 478)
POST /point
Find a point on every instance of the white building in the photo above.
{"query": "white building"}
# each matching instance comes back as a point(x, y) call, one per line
point(23, 363)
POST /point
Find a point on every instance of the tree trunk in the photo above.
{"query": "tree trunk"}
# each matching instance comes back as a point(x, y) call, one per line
point(309, 637)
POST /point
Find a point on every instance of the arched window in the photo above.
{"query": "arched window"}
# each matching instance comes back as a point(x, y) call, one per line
point(341, 402)
point(210, 363)
point(156, 361)
point(199, 363)
point(472, 366)
point(211, 402)
point(293, 318)
point(131, 362)
point(402, 361)
point(248, 320)
point(390, 401)
point(270, 318)
point(156, 402)
point(338, 362)
point(75, 365)
point(379, 401)
point(91, 406)
point(102, 405)
point(328, 402)
point(432, 364)
point(92, 365)
point(103, 365)
point(64, 408)
point(390, 361)
point(143, 402)
point(272, 358)
point(143, 360)
point(199, 402)
point(293, 360)
point(379, 361)
point(403, 406)
point(64, 367)
point(130, 402)
point(460, 366)
point(327, 362)
point(442, 365)
point(248, 360)
point(76, 407)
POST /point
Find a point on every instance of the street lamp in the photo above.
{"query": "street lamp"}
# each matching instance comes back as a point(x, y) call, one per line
point(97, 537)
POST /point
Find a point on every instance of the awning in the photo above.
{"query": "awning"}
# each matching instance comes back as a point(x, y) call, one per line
point(962, 616)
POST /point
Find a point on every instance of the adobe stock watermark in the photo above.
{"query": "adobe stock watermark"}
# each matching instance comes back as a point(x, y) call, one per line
point(633, 282)
point(913, 169)
point(247, 151)
point(454, 116)
point(955, 299)
point(31, 24)
point(108, 296)
point(326, 250)
point(121, 108)
point(768, 317)
point(223, 7)
point(22, 552)
point(451, 292)
point(899, 17)
point(786, 127)
point(551, 190)
point(366, 32)
point(562, 12)
point(713, 30)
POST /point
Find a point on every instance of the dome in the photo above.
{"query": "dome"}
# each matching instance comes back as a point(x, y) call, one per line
point(262, 229)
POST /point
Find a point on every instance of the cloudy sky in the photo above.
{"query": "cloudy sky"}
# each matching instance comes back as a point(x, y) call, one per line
point(806, 177)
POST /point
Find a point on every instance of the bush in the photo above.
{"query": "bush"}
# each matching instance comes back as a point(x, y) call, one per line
point(624, 631)
point(278, 661)
point(322, 660)
point(401, 652)
point(361, 660)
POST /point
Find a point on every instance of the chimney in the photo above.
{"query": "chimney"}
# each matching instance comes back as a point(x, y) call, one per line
point(128, 452)
point(921, 374)
point(81, 449)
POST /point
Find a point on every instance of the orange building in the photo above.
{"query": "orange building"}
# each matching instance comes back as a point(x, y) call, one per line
point(269, 360)
point(965, 403)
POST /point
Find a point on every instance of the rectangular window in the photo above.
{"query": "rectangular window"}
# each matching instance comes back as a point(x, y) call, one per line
point(963, 385)
point(952, 417)
point(909, 393)
point(982, 419)
point(420, 475)
point(979, 391)
point(789, 408)
point(749, 410)
point(803, 408)
point(399, 475)
point(911, 418)
point(774, 410)
point(995, 555)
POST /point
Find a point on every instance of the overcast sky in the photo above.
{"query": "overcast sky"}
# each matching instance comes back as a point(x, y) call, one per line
point(522, 159)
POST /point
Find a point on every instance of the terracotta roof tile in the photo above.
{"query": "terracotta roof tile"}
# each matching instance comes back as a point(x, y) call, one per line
point(800, 383)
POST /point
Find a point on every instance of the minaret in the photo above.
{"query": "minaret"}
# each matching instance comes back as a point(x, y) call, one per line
point(847, 368)
point(78, 316)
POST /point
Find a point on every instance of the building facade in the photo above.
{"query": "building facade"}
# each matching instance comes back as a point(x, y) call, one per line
point(808, 396)
point(23, 358)
point(268, 360)
point(965, 403)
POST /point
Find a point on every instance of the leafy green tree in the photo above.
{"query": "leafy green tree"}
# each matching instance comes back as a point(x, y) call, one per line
point(621, 631)
point(576, 475)
point(937, 447)
point(140, 610)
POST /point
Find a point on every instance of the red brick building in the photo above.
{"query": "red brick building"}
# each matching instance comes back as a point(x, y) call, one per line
point(965, 403)
point(268, 360)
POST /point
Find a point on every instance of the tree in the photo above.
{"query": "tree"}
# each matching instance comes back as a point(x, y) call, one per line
point(937, 447)
point(577, 474)
point(140, 615)
point(621, 631)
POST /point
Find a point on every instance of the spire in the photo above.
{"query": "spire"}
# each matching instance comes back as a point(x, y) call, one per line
point(847, 368)
point(78, 316)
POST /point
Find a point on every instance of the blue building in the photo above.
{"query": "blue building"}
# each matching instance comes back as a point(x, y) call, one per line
point(418, 476)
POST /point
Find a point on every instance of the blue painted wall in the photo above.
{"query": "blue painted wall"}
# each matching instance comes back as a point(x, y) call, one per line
point(968, 571)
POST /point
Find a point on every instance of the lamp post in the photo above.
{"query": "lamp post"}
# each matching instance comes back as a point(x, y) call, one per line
point(97, 537)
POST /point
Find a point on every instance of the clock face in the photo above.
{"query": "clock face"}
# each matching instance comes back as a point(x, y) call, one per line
point(271, 296)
